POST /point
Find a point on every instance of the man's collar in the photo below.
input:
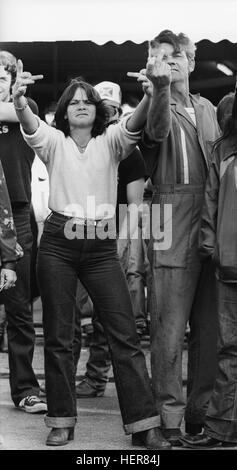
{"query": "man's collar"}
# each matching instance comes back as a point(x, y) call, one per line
point(194, 99)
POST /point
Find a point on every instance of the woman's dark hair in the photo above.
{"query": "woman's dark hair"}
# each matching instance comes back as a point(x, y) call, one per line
point(227, 116)
point(93, 96)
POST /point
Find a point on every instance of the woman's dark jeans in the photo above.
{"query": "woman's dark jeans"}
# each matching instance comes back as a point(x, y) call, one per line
point(60, 261)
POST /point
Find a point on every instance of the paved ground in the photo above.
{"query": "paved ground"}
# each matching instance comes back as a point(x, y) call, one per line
point(99, 423)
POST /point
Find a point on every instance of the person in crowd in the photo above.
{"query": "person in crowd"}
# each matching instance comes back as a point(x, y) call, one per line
point(17, 158)
point(3, 332)
point(7, 249)
point(177, 152)
point(224, 110)
point(131, 178)
point(8, 254)
point(139, 273)
point(79, 240)
point(218, 237)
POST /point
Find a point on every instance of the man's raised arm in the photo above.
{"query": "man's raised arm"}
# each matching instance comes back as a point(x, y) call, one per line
point(159, 114)
point(23, 111)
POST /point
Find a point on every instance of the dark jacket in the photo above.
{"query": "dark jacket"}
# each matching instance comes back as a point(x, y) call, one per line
point(7, 231)
point(218, 235)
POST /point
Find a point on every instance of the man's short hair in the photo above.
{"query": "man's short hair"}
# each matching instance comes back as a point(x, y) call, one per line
point(180, 42)
point(9, 62)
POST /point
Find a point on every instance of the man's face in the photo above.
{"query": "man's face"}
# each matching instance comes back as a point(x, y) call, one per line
point(177, 60)
point(5, 84)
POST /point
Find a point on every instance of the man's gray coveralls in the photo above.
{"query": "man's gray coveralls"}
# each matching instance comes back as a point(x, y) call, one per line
point(183, 285)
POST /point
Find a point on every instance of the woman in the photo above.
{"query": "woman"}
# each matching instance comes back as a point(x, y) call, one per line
point(82, 157)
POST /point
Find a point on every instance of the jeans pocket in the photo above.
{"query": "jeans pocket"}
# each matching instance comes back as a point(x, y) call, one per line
point(53, 224)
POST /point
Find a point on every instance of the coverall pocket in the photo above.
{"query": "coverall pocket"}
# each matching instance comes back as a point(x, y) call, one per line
point(175, 253)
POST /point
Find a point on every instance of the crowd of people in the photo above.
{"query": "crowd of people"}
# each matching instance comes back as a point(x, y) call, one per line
point(109, 233)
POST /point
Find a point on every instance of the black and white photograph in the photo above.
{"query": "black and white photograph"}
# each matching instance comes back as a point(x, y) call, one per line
point(118, 231)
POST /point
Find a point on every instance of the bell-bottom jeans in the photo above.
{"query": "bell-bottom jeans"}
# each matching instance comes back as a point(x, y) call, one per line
point(63, 259)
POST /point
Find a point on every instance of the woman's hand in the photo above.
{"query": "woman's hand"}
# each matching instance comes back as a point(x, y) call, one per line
point(8, 279)
point(23, 79)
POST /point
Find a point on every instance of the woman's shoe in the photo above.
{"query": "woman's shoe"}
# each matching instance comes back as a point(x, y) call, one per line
point(60, 436)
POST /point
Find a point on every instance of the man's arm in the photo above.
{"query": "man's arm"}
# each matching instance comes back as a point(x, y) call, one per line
point(154, 109)
point(26, 117)
point(8, 113)
point(159, 115)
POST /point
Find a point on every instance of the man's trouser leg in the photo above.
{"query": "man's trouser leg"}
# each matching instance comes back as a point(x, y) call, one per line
point(202, 347)
point(136, 279)
point(172, 295)
point(99, 361)
point(20, 328)
point(221, 416)
point(84, 309)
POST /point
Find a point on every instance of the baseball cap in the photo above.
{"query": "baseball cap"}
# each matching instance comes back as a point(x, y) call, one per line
point(110, 91)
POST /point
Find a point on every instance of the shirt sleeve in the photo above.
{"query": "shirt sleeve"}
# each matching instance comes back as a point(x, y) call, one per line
point(43, 141)
point(121, 141)
point(208, 225)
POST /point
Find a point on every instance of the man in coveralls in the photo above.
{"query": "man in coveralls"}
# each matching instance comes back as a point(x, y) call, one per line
point(184, 128)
